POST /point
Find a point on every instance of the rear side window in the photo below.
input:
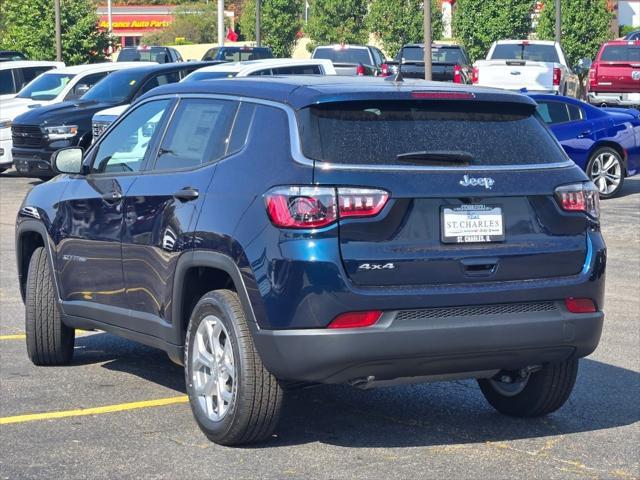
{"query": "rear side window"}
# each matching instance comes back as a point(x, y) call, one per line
point(344, 55)
point(558, 112)
point(621, 53)
point(526, 51)
point(7, 84)
point(377, 132)
point(159, 80)
point(198, 134)
point(298, 70)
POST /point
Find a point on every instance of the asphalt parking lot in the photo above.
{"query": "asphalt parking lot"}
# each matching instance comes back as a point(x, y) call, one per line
point(140, 426)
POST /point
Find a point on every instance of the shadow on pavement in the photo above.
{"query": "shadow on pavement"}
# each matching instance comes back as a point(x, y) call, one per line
point(436, 414)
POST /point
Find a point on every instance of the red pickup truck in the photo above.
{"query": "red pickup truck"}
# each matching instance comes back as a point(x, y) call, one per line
point(614, 78)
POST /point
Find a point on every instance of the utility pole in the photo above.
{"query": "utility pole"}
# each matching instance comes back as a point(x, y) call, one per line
point(427, 39)
point(258, 35)
point(109, 16)
point(56, 6)
point(221, 22)
point(558, 21)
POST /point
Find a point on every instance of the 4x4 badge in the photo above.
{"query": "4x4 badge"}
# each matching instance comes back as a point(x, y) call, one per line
point(486, 182)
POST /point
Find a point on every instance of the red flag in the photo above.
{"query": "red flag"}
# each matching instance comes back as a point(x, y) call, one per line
point(231, 35)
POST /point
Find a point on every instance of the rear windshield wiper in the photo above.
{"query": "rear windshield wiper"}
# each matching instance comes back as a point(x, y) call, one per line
point(437, 157)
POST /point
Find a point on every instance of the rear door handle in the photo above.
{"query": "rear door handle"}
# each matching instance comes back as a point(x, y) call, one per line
point(187, 194)
point(112, 197)
point(479, 267)
point(584, 134)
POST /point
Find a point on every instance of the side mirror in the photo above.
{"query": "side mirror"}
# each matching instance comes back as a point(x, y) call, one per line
point(67, 160)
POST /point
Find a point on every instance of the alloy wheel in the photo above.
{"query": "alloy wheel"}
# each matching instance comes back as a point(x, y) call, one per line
point(213, 369)
point(606, 172)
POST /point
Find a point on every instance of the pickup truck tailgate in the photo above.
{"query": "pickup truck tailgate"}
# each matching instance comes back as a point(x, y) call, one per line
point(516, 74)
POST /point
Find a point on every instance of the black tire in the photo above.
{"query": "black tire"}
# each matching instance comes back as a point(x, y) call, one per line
point(253, 413)
point(545, 392)
point(592, 159)
point(49, 341)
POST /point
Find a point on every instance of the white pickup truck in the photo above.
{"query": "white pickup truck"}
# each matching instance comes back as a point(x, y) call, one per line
point(539, 66)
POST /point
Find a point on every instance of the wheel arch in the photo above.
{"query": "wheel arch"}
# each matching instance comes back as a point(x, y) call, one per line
point(199, 272)
point(30, 235)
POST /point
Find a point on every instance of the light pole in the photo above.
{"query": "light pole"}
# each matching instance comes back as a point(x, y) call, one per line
point(258, 35)
point(221, 22)
point(109, 17)
point(58, 28)
point(558, 21)
point(427, 39)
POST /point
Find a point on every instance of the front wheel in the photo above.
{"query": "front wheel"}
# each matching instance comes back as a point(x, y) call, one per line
point(234, 399)
point(606, 171)
point(539, 393)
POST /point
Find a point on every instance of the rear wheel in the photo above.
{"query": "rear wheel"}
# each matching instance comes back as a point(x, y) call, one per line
point(536, 394)
point(234, 399)
point(49, 341)
point(606, 171)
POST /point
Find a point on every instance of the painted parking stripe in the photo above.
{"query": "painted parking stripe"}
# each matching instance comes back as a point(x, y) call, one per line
point(17, 336)
point(120, 407)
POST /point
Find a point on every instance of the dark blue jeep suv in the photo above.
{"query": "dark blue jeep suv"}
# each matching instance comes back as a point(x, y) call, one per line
point(268, 233)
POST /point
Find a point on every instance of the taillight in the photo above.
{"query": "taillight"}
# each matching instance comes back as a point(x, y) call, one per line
point(317, 207)
point(384, 70)
point(475, 77)
point(356, 319)
point(457, 74)
point(593, 77)
point(360, 70)
point(557, 76)
point(580, 305)
point(579, 197)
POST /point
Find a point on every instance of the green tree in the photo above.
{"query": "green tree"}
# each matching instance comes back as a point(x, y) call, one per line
point(196, 23)
point(477, 24)
point(337, 21)
point(586, 24)
point(28, 26)
point(280, 23)
point(397, 22)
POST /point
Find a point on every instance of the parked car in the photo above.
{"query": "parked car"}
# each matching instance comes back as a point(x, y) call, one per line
point(614, 77)
point(146, 53)
point(237, 54)
point(632, 35)
point(11, 55)
point(604, 142)
point(535, 65)
point(16, 74)
point(267, 233)
point(53, 86)
point(38, 133)
point(449, 63)
point(352, 60)
point(274, 66)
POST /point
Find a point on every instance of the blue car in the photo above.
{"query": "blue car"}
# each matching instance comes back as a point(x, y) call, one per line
point(277, 232)
point(604, 142)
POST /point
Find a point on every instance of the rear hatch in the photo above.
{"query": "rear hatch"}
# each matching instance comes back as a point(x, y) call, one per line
point(618, 69)
point(471, 190)
point(516, 74)
point(345, 58)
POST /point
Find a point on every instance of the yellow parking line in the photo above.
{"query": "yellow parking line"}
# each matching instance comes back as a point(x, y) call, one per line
point(18, 336)
point(94, 411)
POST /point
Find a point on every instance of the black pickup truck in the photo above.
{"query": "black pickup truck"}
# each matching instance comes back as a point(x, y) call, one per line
point(450, 63)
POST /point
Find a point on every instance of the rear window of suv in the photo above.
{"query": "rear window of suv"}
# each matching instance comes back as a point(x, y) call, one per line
point(376, 132)
point(621, 53)
point(344, 55)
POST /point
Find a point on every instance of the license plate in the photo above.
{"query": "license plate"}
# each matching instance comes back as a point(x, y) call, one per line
point(472, 224)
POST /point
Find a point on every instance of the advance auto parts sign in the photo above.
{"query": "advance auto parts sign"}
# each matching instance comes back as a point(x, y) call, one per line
point(136, 22)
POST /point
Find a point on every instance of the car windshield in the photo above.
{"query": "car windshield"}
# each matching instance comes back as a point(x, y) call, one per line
point(344, 55)
point(621, 53)
point(384, 132)
point(117, 87)
point(526, 51)
point(46, 87)
point(153, 54)
point(208, 76)
point(438, 55)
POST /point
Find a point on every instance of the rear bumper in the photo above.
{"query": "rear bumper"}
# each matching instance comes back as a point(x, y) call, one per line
point(400, 346)
point(6, 158)
point(612, 98)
